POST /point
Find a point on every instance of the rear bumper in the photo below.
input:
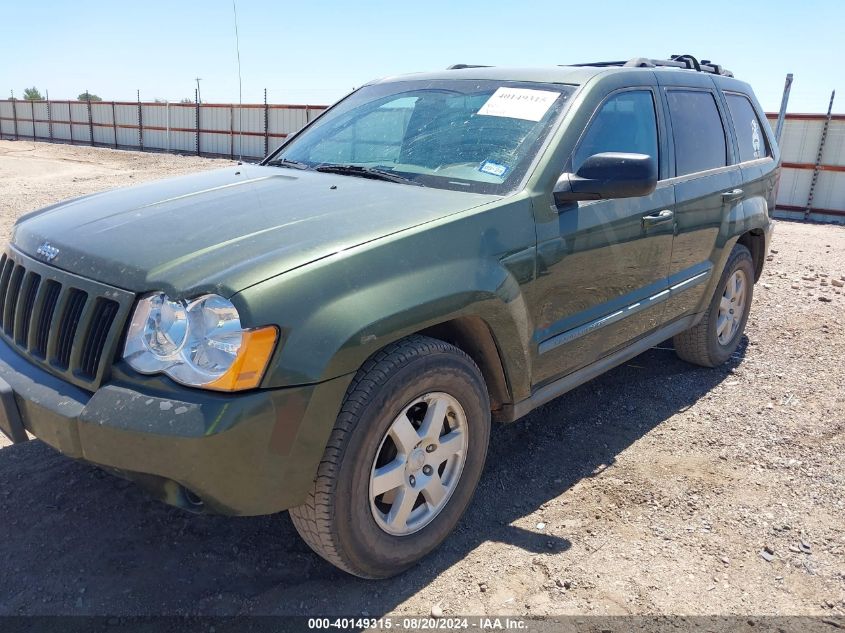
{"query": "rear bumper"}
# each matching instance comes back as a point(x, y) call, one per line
point(246, 454)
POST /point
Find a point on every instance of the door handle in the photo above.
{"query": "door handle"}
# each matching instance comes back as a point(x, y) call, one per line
point(666, 215)
point(732, 194)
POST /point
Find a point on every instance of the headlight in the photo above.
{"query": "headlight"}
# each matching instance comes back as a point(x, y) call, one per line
point(199, 343)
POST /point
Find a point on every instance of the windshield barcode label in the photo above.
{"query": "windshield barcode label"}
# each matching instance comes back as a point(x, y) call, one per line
point(519, 103)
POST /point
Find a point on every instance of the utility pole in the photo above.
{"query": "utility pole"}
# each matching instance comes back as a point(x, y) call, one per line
point(782, 113)
point(199, 96)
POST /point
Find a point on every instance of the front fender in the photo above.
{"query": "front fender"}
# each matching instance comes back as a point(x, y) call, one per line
point(337, 312)
point(495, 298)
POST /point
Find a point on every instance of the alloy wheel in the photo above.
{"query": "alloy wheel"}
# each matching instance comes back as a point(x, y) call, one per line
point(418, 464)
point(731, 307)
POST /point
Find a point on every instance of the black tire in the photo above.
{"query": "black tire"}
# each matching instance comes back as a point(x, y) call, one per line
point(700, 344)
point(336, 521)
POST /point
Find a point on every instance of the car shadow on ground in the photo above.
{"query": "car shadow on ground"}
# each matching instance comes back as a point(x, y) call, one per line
point(74, 539)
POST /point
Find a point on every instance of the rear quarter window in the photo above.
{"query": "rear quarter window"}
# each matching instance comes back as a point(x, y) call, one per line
point(749, 132)
point(698, 131)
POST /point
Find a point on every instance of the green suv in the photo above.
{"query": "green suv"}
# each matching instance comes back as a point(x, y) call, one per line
point(332, 331)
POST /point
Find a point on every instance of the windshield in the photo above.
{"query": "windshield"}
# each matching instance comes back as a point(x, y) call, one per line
point(465, 135)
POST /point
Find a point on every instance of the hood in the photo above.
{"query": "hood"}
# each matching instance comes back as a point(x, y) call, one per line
point(224, 230)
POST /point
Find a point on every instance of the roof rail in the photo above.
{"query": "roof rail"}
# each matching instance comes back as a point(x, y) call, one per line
point(460, 66)
point(675, 61)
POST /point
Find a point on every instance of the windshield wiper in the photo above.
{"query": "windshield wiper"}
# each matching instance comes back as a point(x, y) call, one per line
point(286, 162)
point(365, 172)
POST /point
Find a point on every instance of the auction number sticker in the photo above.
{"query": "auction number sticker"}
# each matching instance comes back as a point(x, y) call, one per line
point(519, 103)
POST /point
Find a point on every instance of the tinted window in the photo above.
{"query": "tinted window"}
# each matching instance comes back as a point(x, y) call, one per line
point(697, 128)
point(625, 123)
point(749, 132)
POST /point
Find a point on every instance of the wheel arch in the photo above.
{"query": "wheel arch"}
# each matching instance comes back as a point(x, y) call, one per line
point(755, 241)
point(474, 336)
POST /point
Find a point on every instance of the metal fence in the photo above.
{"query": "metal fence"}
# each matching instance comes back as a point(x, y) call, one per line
point(208, 129)
point(812, 182)
point(813, 145)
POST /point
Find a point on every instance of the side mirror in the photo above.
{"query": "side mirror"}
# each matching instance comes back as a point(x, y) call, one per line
point(608, 175)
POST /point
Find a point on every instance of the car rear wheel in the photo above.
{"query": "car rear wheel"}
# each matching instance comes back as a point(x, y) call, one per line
point(403, 460)
point(717, 335)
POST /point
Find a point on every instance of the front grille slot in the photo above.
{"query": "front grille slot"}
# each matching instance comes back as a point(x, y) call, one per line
point(101, 322)
point(45, 318)
point(67, 327)
point(5, 275)
point(11, 303)
point(32, 285)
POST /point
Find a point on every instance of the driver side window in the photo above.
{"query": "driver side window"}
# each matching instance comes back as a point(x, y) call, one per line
point(626, 122)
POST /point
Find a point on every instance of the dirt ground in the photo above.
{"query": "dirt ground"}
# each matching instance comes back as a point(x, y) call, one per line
point(659, 488)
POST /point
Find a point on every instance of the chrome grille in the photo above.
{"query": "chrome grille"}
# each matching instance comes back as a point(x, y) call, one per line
point(67, 324)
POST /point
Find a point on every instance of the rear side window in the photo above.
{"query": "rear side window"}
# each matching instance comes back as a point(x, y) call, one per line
point(625, 123)
point(698, 131)
point(749, 132)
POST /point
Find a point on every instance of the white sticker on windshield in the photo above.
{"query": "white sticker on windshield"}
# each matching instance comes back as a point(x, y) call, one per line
point(519, 103)
point(495, 169)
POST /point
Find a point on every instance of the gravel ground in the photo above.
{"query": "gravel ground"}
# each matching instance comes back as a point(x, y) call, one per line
point(659, 488)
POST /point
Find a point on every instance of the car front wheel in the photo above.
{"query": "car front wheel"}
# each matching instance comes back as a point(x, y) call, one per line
point(403, 460)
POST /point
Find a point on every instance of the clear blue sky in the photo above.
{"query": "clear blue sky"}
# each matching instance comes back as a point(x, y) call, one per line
point(315, 52)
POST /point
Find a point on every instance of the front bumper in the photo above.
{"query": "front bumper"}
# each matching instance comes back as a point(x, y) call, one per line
point(245, 454)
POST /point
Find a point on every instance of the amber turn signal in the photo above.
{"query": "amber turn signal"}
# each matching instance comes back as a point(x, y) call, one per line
point(251, 362)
